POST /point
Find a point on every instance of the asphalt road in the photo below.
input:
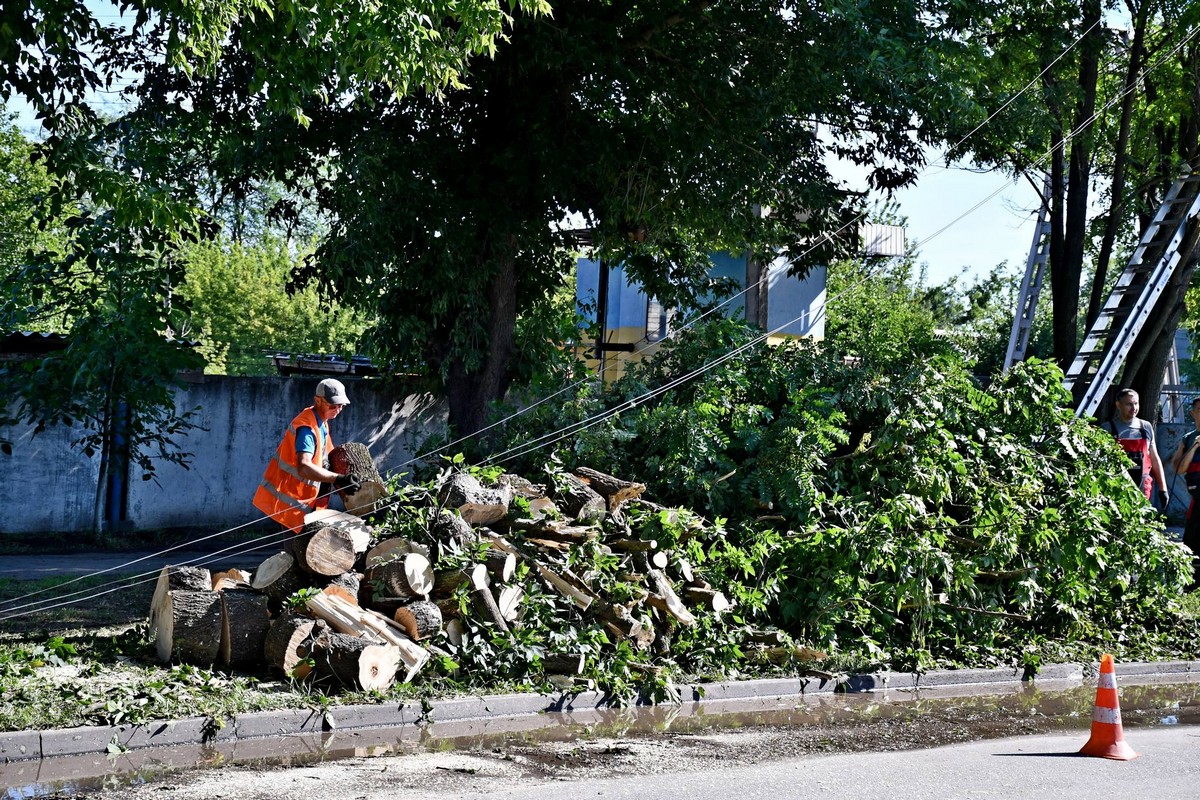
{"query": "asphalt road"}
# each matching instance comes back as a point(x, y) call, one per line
point(1039, 767)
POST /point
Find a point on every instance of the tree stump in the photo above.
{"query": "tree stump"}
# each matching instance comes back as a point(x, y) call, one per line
point(409, 575)
point(356, 662)
point(172, 578)
point(244, 627)
point(278, 578)
point(420, 619)
point(325, 552)
point(189, 627)
point(475, 503)
point(287, 643)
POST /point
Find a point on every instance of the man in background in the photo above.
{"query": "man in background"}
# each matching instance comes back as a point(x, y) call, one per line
point(1136, 437)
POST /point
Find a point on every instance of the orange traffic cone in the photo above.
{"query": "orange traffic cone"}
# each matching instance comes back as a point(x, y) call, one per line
point(1108, 739)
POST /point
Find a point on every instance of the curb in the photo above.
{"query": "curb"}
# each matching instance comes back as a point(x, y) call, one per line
point(82, 741)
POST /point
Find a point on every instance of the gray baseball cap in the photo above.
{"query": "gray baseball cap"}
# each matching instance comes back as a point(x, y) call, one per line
point(333, 391)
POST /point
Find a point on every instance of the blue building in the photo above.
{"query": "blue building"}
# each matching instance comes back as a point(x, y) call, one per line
point(784, 306)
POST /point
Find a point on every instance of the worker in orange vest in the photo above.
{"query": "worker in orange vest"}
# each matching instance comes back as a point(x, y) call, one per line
point(291, 486)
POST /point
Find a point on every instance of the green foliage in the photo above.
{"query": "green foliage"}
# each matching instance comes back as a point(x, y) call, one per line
point(115, 380)
point(240, 308)
point(23, 184)
point(896, 511)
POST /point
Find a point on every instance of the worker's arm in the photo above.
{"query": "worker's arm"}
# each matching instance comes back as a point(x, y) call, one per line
point(1183, 458)
point(1156, 469)
point(310, 470)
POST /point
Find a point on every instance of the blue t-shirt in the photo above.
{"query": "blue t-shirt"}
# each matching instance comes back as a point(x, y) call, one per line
point(306, 440)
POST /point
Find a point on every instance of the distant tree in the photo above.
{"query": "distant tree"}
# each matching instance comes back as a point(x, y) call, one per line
point(238, 306)
point(24, 185)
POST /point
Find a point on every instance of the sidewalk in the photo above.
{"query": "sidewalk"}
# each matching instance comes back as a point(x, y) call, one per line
point(34, 567)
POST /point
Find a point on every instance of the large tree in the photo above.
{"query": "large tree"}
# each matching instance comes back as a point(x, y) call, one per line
point(660, 126)
point(130, 211)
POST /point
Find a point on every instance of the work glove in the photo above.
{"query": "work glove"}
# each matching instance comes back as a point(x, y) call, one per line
point(347, 484)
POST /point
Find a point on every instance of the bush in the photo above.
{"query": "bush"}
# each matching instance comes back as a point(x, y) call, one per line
point(898, 514)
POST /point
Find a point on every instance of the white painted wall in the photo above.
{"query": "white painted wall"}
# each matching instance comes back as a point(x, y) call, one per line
point(52, 484)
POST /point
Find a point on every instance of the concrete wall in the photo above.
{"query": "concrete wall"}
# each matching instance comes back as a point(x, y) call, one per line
point(242, 420)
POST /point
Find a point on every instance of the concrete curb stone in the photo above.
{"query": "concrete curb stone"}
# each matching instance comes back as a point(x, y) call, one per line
point(25, 745)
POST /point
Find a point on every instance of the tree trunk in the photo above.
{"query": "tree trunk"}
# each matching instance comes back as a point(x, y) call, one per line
point(243, 628)
point(1121, 159)
point(469, 392)
point(288, 641)
point(189, 628)
point(1068, 268)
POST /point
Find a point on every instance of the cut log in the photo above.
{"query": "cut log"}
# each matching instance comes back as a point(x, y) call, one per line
point(476, 503)
point(354, 459)
point(764, 637)
point(189, 627)
point(386, 550)
point(446, 526)
point(509, 602)
point(543, 508)
point(578, 500)
point(455, 632)
point(349, 581)
point(341, 592)
point(355, 526)
point(672, 604)
point(447, 582)
point(683, 568)
point(484, 602)
point(449, 607)
point(547, 544)
point(409, 575)
point(173, 578)
point(230, 579)
point(500, 565)
point(355, 662)
point(633, 545)
point(556, 530)
point(370, 497)
point(287, 643)
point(420, 619)
point(346, 618)
point(707, 599)
point(278, 578)
point(522, 487)
point(243, 628)
point(614, 490)
point(329, 546)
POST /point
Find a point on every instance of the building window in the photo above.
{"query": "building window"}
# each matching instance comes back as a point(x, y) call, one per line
point(658, 320)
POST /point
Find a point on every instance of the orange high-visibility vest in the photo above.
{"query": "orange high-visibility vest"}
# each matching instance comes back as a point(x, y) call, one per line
point(283, 495)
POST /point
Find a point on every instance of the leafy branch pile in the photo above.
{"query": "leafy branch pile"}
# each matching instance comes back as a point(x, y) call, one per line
point(900, 515)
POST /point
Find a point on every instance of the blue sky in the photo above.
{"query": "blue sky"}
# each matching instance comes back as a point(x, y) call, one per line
point(964, 222)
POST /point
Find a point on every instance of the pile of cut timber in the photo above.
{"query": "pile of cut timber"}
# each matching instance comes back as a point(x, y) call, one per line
point(377, 602)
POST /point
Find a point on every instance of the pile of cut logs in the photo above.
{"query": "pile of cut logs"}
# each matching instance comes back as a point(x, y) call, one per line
point(373, 604)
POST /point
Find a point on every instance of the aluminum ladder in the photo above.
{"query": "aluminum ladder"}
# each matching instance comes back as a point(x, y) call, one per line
point(1133, 297)
point(1031, 284)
